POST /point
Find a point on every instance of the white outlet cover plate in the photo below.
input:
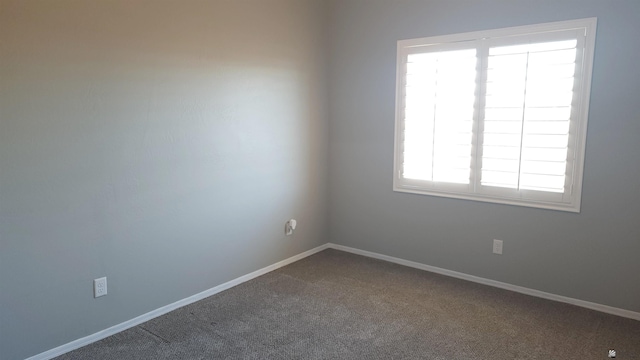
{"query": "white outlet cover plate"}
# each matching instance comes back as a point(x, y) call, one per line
point(100, 287)
point(497, 246)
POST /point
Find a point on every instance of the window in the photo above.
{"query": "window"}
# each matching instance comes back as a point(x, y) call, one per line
point(497, 116)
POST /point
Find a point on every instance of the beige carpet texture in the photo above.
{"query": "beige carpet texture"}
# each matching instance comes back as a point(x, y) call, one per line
point(336, 305)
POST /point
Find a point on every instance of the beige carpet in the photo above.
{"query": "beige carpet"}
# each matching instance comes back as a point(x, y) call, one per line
point(335, 305)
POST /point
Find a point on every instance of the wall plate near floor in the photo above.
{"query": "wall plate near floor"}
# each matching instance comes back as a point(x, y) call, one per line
point(100, 287)
point(497, 247)
point(289, 226)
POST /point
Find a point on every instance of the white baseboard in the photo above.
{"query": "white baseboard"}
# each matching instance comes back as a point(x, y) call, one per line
point(178, 304)
point(523, 290)
point(63, 349)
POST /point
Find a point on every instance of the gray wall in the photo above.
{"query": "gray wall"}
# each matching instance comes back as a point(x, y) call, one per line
point(162, 144)
point(593, 256)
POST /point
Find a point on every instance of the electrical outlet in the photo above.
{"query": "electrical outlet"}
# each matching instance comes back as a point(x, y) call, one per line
point(100, 287)
point(497, 247)
point(289, 226)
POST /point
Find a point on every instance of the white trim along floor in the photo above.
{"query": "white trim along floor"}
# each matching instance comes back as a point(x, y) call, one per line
point(168, 308)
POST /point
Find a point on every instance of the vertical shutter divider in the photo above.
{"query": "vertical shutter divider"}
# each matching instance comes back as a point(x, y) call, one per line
point(524, 110)
point(483, 55)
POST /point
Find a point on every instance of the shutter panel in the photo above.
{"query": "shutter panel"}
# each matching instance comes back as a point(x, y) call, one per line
point(438, 116)
point(529, 94)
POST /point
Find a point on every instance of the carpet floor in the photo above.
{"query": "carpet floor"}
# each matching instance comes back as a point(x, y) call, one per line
point(336, 305)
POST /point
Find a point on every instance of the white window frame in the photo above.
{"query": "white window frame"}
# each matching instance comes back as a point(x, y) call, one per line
point(571, 198)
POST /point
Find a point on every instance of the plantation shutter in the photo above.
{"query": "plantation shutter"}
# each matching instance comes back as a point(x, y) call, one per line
point(528, 138)
point(497, 115)
point(438, 114)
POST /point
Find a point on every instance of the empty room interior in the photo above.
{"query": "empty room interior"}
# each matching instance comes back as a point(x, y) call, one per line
point(319, 179)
